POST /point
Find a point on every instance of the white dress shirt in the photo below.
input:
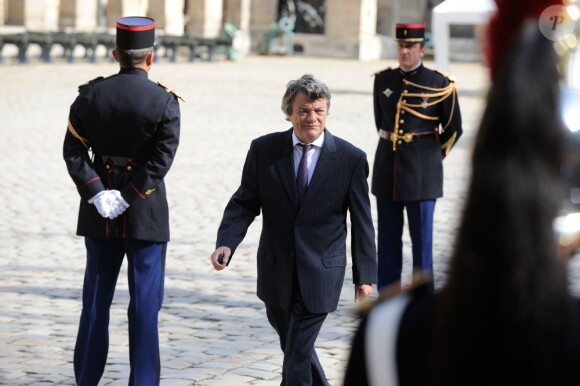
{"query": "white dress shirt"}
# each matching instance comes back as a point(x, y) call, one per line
point(312, 155)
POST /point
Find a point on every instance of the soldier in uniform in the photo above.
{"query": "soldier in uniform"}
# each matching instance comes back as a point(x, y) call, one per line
point(418, 121)
point(131, 126)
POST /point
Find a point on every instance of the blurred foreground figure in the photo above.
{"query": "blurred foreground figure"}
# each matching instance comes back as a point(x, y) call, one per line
point(505, 316)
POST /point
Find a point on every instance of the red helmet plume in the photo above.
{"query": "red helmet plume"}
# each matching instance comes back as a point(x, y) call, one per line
point(505, 24)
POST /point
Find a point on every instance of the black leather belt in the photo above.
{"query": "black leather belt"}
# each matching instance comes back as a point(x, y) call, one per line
point(398, 139)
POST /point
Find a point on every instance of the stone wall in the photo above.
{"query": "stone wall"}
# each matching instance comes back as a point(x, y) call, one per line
point(204, 17)
point(168, 15)
point(119, 8)
point(78, 14)
point(3, 7)
point(360, 29)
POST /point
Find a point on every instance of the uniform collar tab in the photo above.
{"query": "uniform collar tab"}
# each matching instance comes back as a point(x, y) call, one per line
point(412, 72)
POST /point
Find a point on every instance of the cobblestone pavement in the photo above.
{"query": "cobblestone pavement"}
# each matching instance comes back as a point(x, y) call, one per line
point(213, 328)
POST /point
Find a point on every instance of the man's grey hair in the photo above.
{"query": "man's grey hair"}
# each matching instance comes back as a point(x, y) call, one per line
point(309, 86)
point(131, 58)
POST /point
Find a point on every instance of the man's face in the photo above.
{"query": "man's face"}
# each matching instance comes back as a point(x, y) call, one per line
point(409, 55)
point(308, 117)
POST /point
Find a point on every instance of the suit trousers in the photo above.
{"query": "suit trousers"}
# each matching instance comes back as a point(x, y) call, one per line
point(390, 234)
point(298, 330)
point(146, 271)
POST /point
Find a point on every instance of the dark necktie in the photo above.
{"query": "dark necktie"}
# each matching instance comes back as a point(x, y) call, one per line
point(302, 175)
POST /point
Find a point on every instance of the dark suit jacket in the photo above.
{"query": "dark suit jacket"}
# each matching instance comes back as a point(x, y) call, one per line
point(415, 170)
point(124, 115)
point(313, 237)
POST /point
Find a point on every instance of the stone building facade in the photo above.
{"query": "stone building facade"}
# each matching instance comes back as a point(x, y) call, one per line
point(360, 29)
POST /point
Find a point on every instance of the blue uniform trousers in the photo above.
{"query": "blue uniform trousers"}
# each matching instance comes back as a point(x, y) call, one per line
point(390, 233)
point(146, 271)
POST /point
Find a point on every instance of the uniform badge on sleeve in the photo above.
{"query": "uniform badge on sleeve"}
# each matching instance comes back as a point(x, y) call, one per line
point(388, 92)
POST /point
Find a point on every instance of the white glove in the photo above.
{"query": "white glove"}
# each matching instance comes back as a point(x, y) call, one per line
point(119, 205)
point(104, 201)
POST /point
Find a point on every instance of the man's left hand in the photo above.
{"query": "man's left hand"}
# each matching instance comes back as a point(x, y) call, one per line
point(119, 206)
point(361, 291)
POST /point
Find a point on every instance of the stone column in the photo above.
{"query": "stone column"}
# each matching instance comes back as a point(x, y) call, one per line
point(385, 17)
point(15, 12)
point(78, 14)
point(204, 17)
point(411, 11)
point(351, 30)
point(40, 15)
point(3, 6)
point(237, 13)
point(264, 13)
point(119, 8)
point(168, 15)
point(369, 42)
point(386, 20)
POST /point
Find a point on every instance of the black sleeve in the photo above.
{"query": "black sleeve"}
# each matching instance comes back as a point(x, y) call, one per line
point(243, 207)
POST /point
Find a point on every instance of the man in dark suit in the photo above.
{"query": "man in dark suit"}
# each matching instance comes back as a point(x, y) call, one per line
point(131, 126)
point(304, 181)
point(418, 121)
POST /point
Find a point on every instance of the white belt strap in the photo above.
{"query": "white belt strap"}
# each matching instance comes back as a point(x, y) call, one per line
point(381, 341)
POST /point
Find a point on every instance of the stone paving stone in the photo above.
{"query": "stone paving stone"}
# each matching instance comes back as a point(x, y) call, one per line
point(176, 381)
point(228, 379)
point(264, 366)
point(253, 373)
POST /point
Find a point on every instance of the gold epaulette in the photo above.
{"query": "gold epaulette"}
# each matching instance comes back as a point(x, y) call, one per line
point(90, 81)
point(446, 75)
point(378, 72)
point(171, 91)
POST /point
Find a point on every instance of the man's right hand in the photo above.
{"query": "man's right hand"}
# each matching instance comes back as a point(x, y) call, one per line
point(227, 252)
point(119, 206)
point(104, 201)
point(109, 203)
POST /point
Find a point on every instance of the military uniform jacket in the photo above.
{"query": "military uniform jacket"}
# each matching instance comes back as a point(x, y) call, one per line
point(309, 240)
point(418, 119)
point(412, 351)
point(125, 116)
